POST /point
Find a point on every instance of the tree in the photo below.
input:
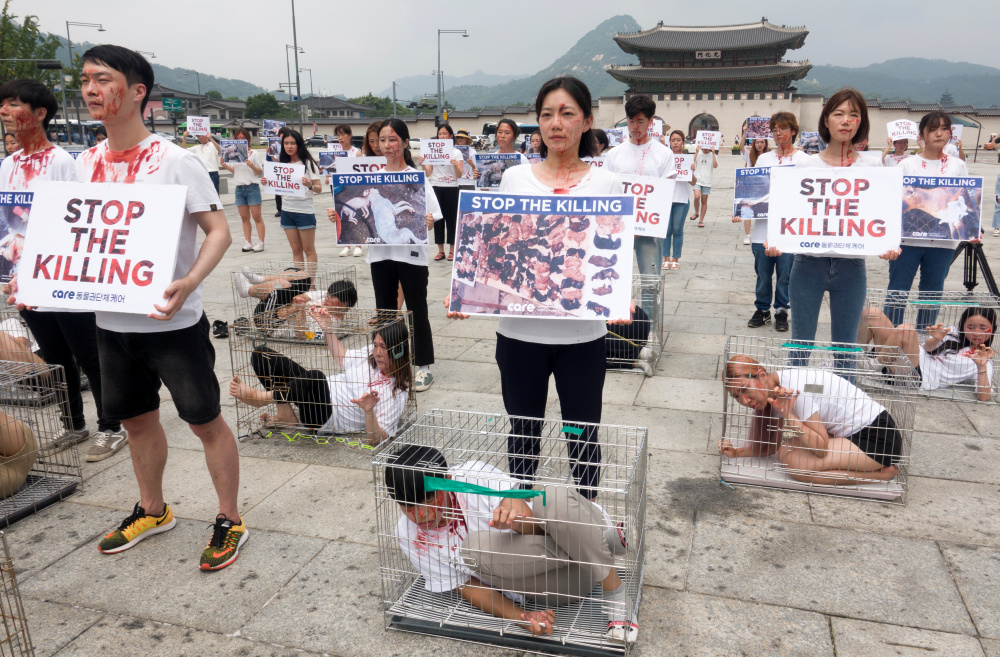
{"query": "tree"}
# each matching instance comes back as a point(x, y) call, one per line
point(212, 93)
point(383, 106)
point(265, 106)
point(233, 98)
point(25, 41)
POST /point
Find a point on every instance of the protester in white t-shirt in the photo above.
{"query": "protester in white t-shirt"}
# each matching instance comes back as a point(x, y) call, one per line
point(895, 152)
point(298, 214)
point(507, 132)
point(674, 241)
point(705, 163)
point(444, 180)
point(210, 152)
point(463, 142)
point(248, 199)
point(343, 133)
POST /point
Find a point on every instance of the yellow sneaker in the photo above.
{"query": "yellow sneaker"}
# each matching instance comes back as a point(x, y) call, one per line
point(135, 528)
point(224, 546)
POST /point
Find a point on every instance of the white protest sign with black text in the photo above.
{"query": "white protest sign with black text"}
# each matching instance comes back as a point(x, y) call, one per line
point(594, 161)
point(655, 128)
point(653, 198)
point(437, 151)
point(849, 211)
point(100, 246)
point(198, 125)
point(903, 129)
point(710, 139)
point(684, 163)
point(368, 164)
point(284, 178)
point(956, 133)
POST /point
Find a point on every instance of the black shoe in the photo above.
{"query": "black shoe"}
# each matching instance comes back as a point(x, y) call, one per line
point(277, 214)
point(220, 329)
point(781, 321)
point(760, 317)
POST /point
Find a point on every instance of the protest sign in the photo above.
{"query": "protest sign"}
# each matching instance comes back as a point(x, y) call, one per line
point(942, 208)
point(594, 161)
point(359, 164)
point(956, 133)
point(271, 128)
point(334, 146)
point(273, 149)
point(811, 143)
point(710, 139)
point(543, 256)
point(234, 151)
point(198, 125)
point(903, 129)
point(284, 178)
point(759, 127)
point(653, 198)
point(380, 208)
point(851, 211)
point(616, 136)
point(100, 246)
point(14, 210)
point(655, 128)
point(750, 197)
point(437, 151)
point(534, 157)
point(327, 160)
point(491, 167)
point(684, 163)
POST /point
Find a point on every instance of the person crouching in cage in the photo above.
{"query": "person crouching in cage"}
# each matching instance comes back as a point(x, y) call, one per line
point(284, 297)
point(370, 394)
point(824, 429)
point(552, 550)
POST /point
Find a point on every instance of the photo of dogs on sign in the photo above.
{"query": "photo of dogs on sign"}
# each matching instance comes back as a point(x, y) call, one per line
point(380, 208)
point(543, 256)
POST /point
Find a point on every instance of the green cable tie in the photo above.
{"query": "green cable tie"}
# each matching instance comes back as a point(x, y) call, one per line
point(438, 483)
point(789, 345)
point(576, 431)
point(939, 303)
point(371, 447)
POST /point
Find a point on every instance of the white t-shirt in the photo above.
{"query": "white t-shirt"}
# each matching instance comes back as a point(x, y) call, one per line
point(891, 160)
point(243, 175)
point(358, 378)
point(18, 172)
point(156, 161)
point(758, 235)
point(947, 166)
point(414, 254)
point(952, 151)
point(843, 408)
point(703, 168)
point(949, 367)
point(435, 553)
point(302, 204)
point(651, 159)
point(209, 155)
point(443, 175)
point(599, 181)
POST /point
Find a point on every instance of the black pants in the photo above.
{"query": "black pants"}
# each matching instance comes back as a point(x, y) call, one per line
point(448, 200)
point(387, 276)
point(291, 383)
point(277, 203)
point(525, 368)
point(625, 341)
point(70, 340)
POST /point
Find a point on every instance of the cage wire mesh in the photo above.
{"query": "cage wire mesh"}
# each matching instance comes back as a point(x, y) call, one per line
point(929, 329)
point(315, 388)
point(15, 641)
point(865, 408)
point(637, 346)
point(37, 468)
point(422, 567)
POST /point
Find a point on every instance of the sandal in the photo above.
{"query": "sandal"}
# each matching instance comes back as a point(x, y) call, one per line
point(693, 218)
point(675, 265)
point(439, 256)
point(451, 256)
point(701, 225)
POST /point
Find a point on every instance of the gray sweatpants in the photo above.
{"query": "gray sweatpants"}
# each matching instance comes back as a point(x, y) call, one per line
point(554, 569)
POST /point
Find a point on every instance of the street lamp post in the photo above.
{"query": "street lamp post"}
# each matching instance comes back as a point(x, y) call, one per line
point(298, 85)
point(303, 70)
point(69, 44)
point(440, 94)
point(288, 71)
point(198, 77)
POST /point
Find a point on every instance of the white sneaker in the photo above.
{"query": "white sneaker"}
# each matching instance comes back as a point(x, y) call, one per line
point(357, 251)
point(107, 444)
point(258, 247)
point(746, 240)
point(645, 353)
point(996, 232)
point(422, 380)
point(345, 252)
point(247, 247)
point(241, 284)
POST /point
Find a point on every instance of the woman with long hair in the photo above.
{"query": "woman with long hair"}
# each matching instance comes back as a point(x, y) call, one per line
point(298, 216)
point(371, 148)
point(444, 180)
point(674, 240)
point(248, 199)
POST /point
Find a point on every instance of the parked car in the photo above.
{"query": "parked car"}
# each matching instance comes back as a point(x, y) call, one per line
point(318, 140)
point(168, 136)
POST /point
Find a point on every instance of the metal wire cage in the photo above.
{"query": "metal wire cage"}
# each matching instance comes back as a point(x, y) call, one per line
point(637, 347)
point(847, 431)
point(486, 449)
point(293, 389)
point(37, 468)
point(272, 298)
point(946, 369)
point(15, 641)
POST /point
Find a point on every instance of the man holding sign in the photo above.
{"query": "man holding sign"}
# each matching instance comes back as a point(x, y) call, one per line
point(209, 151)
point(171, 345)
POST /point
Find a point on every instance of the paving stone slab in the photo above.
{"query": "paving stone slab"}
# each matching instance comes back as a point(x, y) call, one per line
point(463, 376)
point(479, 328)
point(681, 394)
point(854, 638)
point(450, 348)
point(691, 366)
point(977, 572)
point(984, 417)
point(482, 351)
point(858, 574)
point(216, 601)
point(306, 452)
point(937, 416)
point(963, 458)
point(699, 309)
point(669, 429)
point(52, 626)
point(682, 342)
point(991, 647)
point(691, 324)
point(619, 387)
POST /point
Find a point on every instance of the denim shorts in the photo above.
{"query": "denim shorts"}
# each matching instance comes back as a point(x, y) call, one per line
point(248, 194)
point(134, 365)
point(705, 190)
point(297, 220)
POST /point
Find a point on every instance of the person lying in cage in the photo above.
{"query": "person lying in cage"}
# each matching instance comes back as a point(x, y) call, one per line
point(369, 395)
point(949, 355)
point(626, 343)
point(285, 297)
point(18, 451)
point(823, 428)
point(552, 550)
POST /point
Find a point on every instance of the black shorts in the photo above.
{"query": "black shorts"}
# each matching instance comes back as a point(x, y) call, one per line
point(133, 366)
point(880, 440)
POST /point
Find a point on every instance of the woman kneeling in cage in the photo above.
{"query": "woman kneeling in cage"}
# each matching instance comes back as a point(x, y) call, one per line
point(370, 394)
point(824, 429)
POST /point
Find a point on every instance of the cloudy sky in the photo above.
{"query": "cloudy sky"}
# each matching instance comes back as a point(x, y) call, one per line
point(355, 47)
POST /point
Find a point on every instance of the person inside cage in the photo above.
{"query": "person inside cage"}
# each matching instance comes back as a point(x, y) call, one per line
point(626, 343)
point(369, 395)
point(285, 297)
point(950, 355)
point(551, 550)
point(18, 451)
point(824, 429)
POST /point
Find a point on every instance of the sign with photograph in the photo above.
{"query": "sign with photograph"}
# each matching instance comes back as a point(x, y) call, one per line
point(653, 198)
point(327, 160)
point(380, 208)
point(100, 246)
point(811, 143)
point(684, 163)
point(198, 125)
point(271, 128)
point(759, 127)
point(234, 151)
point(942, 208)
point(273, 149)
point(903, 129)
point(753, 184)
point(543, 256)
point(710, 139)
point(616, 136)
point(437, 151)
point(491, 167)
point(368, 164)
point(14, 210)
point(851, 211)
point(284, 178)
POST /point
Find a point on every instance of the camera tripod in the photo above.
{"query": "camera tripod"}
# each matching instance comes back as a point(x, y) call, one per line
point(974, 256)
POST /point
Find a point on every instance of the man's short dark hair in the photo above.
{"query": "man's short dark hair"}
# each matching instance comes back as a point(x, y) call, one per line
point(640, 104)
point(101, 131)
point(34, 94)
point(345, 292)
point(129, 63)
point(404, 474)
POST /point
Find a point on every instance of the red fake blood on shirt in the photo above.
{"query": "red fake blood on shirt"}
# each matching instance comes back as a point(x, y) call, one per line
point(456, 526)
point(28, 167)
point(124, 166)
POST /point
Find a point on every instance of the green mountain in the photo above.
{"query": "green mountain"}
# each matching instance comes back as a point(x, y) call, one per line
point(586, 60)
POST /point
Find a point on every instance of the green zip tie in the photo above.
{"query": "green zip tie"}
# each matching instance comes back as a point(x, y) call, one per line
point(938, 303)
point(438, 483)
point(789, 345)
point(577, 431)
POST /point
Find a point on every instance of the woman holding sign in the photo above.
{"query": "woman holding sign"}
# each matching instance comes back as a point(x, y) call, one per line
point(298, 217)
point(758, 148)
point(248, 200)
point(679, 209)
point(444, 180)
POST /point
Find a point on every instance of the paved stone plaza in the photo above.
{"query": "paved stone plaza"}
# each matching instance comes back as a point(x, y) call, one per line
point(729, 572)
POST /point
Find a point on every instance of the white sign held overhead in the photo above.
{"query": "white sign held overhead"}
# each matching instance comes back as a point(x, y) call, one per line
point(198, 125)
